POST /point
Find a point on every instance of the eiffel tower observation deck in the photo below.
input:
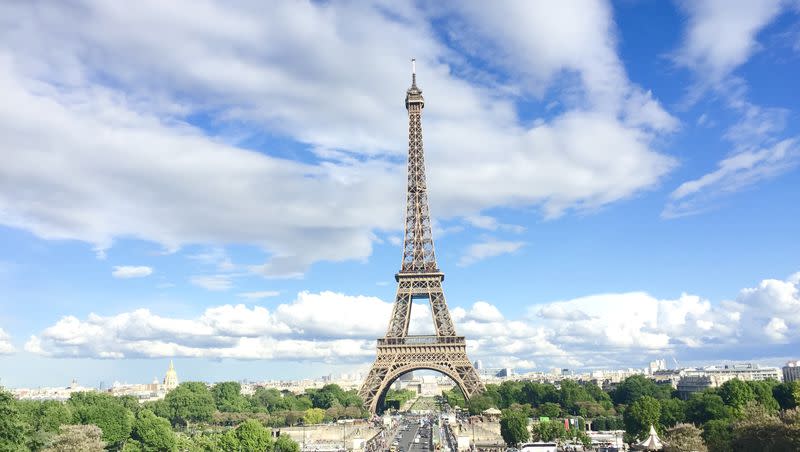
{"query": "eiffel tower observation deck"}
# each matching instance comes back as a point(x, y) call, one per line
point(419, 277)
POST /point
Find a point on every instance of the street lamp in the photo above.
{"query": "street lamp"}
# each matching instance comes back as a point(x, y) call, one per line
point(474, 446)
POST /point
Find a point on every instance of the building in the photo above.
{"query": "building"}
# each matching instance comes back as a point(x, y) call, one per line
point(791, 371)
point(171, 378)
point(505, 372)
point(668, 376)
point(690, 384)
point(657, 365)
point(697, 380)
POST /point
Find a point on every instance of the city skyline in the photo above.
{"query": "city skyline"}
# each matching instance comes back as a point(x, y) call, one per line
point(610, 183)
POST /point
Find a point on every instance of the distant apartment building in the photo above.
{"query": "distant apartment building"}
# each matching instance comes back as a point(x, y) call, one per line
point(791, 371)
point(657, 365)
point(697, 380)
point(668, 376)
point(52, 393)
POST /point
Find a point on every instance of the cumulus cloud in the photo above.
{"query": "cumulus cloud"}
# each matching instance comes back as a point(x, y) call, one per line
point(603, 330)
point(128, 271)
point(721, 34)
point(112, 108)
point(5, 343)
point(227, 331)
point(490, 248)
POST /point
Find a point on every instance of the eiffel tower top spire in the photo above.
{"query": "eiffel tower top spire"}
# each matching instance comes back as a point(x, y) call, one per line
point(418, 252)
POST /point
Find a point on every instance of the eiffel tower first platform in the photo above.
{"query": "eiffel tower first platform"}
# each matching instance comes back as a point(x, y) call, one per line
point(419, 277)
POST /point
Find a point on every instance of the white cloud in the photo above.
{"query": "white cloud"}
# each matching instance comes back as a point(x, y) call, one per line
point(129, 271)
point(5, 343)
point(330, 314)
point(490, 248)
point(736, 172)
point(721, 34)
point(212, 282)
point(259, 294)
point(720, 37)
point(139, 170)
point(532, 42)
point(491, 224)
point(601, 330)
point(217, 257)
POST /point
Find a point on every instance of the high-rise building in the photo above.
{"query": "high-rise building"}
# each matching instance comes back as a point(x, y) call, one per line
point(657, 365)
point(791, 371)
point(171, 378)
point(478, 365)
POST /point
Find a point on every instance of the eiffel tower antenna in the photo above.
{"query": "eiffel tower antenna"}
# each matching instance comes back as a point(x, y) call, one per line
point(419, 277)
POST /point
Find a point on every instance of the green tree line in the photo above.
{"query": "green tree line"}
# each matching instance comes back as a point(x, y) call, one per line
point(726, 418)
point(192, 417)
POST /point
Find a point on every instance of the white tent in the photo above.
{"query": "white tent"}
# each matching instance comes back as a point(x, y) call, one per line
point(652, 442)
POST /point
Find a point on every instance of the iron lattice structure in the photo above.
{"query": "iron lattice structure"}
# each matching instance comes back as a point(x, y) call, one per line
point(419, 277)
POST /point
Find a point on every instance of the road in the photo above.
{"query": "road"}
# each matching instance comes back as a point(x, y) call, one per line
point(406, 438)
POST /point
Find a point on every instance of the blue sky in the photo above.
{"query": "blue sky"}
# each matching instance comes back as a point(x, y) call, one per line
point(223, 184)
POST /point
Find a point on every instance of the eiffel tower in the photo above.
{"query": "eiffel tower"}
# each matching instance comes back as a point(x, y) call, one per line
point(419, 277)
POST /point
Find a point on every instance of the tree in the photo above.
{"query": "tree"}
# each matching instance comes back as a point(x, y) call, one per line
point(52, 415)
point(597, 393)
point(228, 397)
point(762, 391)
point(455, 398)
point(190, 402)
point(784, 394)
point(549, 431)
point(759, 429)
point(684, 438)
point(510, 393)
point(254, 436)
point(130, 402)
point(571, 394)
point(718, 435)
point(270, 399)
point(198, 443)
point(672, 412)
point(638, 386)
point(313, 416)
point(706, 406)
point(104, 411)
point(78, 438)
point(327, 396)
point(538, 393)
point(249, 435)
point(154, 433)
point(481, 402)
point(514, 427)
point(641, 414)
point(736, 394)
point(286, 444)
point(550, 409)
point(12, 434)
